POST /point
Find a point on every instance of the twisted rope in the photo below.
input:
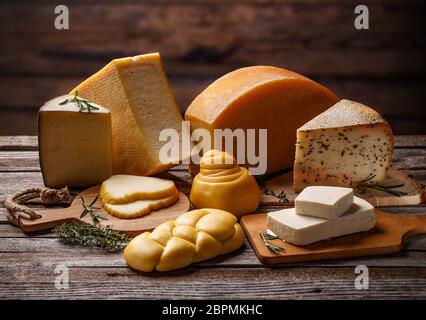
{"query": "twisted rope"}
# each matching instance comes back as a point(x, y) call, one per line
point(16, 210)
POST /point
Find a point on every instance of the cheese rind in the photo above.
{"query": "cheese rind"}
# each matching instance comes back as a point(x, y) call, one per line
point(139, 208)
point(138, 94)
point(323, 201)
point(261, 97)
point(347, 143)
point(303, 230)
point(75, 147)
point(123, 189)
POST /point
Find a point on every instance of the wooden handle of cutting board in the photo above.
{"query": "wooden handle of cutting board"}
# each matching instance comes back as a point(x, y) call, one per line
point(419, 225)
point(51, 218)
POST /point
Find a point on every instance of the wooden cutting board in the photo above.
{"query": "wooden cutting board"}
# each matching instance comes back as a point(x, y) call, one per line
point(416, 194)
point(51, 218)
point(386, 237)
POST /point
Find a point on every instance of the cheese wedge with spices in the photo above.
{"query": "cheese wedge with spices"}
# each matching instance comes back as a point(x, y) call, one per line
point(347, 143)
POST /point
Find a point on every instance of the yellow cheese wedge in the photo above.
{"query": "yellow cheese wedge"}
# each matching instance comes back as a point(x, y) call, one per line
point(138, 94)
point(222, 184)
point(262, 97)
point(194, 236)
point(123, 189)
point(75, 146)
point(139, 208)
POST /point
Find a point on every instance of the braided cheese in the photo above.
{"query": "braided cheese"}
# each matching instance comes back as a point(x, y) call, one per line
point(194, 236)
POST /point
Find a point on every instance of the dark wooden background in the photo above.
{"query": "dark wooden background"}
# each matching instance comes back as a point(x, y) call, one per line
point(201, 40)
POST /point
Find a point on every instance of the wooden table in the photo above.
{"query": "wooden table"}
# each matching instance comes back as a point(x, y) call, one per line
point(28, 262)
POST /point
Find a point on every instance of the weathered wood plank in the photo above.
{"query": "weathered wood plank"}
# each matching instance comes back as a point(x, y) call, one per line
point(194, 283)
point(19, 161)
point(328, 44)
point(18, 143)
point(409, 141)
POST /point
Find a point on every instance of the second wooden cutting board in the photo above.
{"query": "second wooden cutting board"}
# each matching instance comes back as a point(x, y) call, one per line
point(51, 218)
point(386, 237)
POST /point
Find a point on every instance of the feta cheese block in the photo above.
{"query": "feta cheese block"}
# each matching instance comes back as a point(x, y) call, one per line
point(323, 201)
point(137, 92)
point(139, 208)
point(123, 189)
point(303, 230)
point(260, 97)
point(75, 146)
point(349, 142)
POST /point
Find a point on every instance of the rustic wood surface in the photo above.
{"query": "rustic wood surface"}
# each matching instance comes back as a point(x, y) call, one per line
point(28, 262)
point(201, 40)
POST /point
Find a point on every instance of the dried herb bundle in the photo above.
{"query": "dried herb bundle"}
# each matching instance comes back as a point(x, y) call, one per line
point(91, 236)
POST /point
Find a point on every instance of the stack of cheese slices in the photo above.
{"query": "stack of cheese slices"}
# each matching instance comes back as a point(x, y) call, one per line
point(127, 196)
point(322, 212)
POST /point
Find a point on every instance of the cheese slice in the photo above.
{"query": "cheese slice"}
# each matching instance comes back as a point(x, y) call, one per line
point(261, 97)
point(140, 207)
point(123, 189)
point(138, 94)
point(323, 201)
point(302, 230)
point(347, 143)
point(75, 146)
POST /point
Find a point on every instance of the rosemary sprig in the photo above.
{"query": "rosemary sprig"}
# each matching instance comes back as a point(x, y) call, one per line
point(83, 104)
point(362, 186)
point(282, 197)
point(91, 235)
point(274, 248)
point(91, 210)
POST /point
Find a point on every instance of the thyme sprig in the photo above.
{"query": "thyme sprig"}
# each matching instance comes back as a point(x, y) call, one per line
point(83, 104)
point(282, 197)
point(274, 248)
point(91, 235)
point(362, 186)
point(88, 208)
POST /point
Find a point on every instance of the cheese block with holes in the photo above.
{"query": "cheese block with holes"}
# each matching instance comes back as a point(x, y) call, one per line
point(74, 145)
point(261, 97)
point(142, 104)
point(347, 143)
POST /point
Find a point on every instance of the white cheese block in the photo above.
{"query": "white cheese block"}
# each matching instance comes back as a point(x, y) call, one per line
point(121, 189)
point(302, 230)
point(347, 143)
point(75, 147)
point(323, 201)
point(140, 207)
